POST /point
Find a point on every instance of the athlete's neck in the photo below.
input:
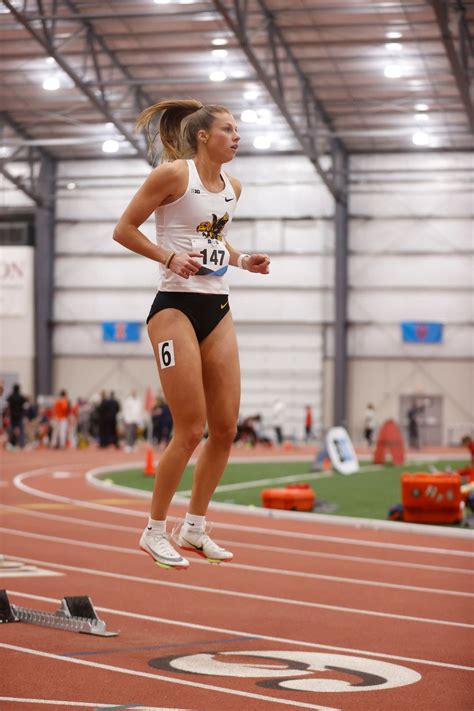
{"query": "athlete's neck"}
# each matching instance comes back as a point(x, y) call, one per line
point(210, 174)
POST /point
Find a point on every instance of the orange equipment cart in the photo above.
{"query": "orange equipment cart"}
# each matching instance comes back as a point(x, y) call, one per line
point(432, 498)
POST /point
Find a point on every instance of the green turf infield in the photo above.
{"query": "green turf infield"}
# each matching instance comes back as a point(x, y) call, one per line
point(368, 494)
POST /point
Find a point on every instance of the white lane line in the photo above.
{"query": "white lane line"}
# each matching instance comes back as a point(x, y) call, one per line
point(253, 635)
point(252, 596)
point(19, 483)
point(85, 705)
point(238, 544)
point(255, 569)
point(167, 679)
point(255, 483)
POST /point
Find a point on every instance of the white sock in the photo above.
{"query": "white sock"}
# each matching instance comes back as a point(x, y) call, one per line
point(156, 526)
point(194, 523)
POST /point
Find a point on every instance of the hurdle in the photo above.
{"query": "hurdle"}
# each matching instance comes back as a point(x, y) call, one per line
point(75, 614)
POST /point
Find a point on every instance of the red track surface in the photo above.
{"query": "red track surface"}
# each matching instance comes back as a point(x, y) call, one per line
point(306, 590)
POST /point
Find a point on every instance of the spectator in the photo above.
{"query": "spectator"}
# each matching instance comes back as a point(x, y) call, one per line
point(308, 423)
point(161, 421)
point(60, 421)
point(132, 418)
point(369, 424)
point(247, 429)
point(413, 430)
point(278, 419)
point(16, 413)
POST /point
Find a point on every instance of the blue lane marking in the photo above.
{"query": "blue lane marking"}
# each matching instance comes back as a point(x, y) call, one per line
point(127, 650)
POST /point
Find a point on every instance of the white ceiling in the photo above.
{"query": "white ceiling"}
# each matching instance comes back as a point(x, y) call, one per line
point(164, 50)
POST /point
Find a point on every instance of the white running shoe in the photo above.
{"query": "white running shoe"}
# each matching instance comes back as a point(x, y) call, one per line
point(157, 546)
point(200, 543)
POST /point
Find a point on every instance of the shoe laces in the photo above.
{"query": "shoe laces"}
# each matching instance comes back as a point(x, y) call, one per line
point(162, 543)
point(202, 538)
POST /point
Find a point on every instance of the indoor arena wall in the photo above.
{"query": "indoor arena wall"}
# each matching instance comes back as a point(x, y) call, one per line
point(284, 210)
point(411, 259)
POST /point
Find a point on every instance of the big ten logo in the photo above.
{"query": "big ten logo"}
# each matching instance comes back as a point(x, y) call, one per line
point(12, 271)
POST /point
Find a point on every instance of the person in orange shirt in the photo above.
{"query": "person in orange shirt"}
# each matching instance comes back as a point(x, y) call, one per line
point(60, 421)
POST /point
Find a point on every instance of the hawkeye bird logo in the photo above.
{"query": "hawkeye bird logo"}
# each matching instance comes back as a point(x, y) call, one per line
point(213, 230)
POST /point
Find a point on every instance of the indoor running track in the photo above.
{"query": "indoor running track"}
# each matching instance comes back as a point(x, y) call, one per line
point(309, 615)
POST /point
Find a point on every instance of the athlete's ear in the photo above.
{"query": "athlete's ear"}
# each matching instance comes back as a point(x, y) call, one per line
point(202, 135)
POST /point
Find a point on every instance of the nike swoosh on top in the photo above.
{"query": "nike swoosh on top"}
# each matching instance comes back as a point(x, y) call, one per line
point(224, 305)
point(228, 199)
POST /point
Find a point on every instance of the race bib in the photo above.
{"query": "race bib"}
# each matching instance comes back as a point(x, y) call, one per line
point(214, 256)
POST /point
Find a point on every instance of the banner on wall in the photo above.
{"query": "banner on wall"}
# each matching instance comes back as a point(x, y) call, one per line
point(422, 332)
point(16, 280)
point(121, 331)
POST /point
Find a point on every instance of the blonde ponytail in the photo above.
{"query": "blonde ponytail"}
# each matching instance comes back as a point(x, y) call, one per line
point(179, 137)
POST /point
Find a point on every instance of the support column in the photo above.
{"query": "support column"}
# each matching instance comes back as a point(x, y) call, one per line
point(43, 277)
point(340, 170)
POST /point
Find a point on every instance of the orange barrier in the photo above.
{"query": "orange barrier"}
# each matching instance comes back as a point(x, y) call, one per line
point(432, 498)
point(149, 469)
point(390, 440)
point(295, 497)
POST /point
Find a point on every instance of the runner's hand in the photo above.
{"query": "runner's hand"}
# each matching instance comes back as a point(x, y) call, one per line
point(184, 265)
point(258, 263)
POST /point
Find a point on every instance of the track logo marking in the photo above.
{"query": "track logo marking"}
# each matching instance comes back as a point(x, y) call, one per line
point(297, 671)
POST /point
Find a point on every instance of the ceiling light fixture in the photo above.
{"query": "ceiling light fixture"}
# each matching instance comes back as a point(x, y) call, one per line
point(394, 46)
point(249, 116)
point(50, 60)
point(161, 2)
point(71, 186)
point(219, 53)
point(421, 107)
point(51, 84)
point(421, 117)
point(110, 146)
point(218, 75)
point(261, 143)
point(393, 34)
point(219, 41)
point(420, 138)
point(393, 71)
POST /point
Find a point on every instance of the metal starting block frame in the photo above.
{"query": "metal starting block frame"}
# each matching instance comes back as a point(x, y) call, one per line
point(75, 614)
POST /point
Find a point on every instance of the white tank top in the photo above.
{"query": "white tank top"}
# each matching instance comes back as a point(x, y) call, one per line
point(197, 222)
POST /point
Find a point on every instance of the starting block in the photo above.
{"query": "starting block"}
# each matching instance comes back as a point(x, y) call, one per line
point(75, 614)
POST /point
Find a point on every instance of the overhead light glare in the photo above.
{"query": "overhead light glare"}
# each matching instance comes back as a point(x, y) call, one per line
point(219, 41)
point(51, 84)
point(219, 53)
point(162, 2)
point(110, 146)
point(422, 117)
point(50, 60)
point(393, 71)
point(262, 143)
point(249, 116)
point(218, 75)
point(393, 34)
point(421, 107)
point(251, 95)
point(71, 186)
point(394, 46)
point(420, 138)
